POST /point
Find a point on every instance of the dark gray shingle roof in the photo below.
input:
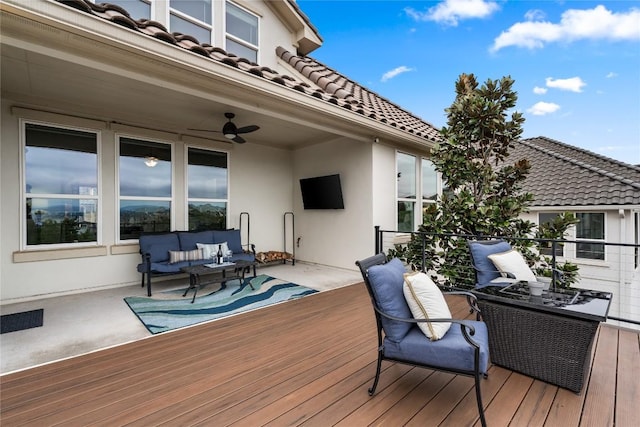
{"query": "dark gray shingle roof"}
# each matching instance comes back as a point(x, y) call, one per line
point(563, 175)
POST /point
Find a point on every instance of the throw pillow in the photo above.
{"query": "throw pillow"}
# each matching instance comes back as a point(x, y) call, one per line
point(513, 264)
point(426, 301)
point(180, 256)
point(209, 250)
point(480, 250)
point(386, 284)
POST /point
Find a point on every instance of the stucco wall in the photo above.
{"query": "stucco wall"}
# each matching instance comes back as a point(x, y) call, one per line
point(336, 237)
point(260, 184)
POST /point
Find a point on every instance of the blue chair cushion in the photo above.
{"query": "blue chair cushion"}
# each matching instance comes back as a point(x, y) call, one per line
point(486, 271)
point(159, 245)
point(188, 239)
point(243, 257)
point(232, 237)
point(450, 352)
point(386, 283)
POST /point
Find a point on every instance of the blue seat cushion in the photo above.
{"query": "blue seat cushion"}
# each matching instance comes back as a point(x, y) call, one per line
point(486, 271)
point(450, 352)
point(243, 257)
point(167, 267)
point(232, 237)
point(188, 239)
point(386, 283)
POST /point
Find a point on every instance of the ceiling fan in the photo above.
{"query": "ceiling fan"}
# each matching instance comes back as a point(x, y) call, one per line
point(231, 131)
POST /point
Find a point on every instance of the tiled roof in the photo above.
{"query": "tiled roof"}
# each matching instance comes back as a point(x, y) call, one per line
point(563, 175)
point(330, 86)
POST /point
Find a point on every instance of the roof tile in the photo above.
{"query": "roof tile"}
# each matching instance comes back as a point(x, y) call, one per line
point(331, 86)
point(563, 175)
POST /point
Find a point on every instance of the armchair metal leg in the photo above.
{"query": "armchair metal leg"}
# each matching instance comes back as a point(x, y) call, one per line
point(479, 400)
point(372, 389)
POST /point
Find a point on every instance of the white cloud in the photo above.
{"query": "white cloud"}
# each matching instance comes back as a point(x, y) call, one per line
point(593, 24)
point(534, 15)
point(611, 75)
point(539, 90)
point(574, 84)
point(396, 71)
point(543, 108)
point(449, 12)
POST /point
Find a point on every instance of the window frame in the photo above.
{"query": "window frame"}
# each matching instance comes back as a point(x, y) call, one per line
point(22, 123)
point(580, 240)
point(149, 3)
point(188, 199)
point(418, 200)
point(119, 197)
point(192, 20)
point(247, 44)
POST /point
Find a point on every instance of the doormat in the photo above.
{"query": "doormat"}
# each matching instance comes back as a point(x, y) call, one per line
point(20, 321)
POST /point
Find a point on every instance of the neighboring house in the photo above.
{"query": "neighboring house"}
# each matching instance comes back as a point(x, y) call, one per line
point(604, 194)
point(99, 106)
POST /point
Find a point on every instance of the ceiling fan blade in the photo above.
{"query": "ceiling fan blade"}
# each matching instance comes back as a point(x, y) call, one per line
point(204, 130)
point(239, 139)
point(247, 129)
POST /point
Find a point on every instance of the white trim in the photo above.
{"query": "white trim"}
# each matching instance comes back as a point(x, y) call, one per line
point(24, 246)
point(116, 142)
point(187, 199)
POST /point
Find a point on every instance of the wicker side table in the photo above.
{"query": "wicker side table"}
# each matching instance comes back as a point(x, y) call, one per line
point(543, 345)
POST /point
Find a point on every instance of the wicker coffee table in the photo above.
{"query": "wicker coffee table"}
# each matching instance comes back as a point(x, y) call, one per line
point(548, 337)
point(216, 273)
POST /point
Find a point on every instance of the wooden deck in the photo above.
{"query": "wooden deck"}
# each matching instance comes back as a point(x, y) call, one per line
point(306, 362)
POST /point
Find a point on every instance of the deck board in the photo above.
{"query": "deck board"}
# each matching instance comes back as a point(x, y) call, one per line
point(306, 362)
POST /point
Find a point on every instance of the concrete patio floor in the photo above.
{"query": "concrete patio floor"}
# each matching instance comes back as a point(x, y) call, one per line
point(85, 322)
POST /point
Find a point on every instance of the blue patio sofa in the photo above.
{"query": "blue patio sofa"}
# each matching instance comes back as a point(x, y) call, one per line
point(155, 250)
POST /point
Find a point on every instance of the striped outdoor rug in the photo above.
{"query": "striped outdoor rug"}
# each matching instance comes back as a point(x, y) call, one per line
point(170, 310)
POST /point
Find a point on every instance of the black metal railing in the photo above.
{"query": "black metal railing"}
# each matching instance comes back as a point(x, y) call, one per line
point(617, 272)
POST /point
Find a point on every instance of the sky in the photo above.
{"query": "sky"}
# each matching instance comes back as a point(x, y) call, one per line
point(576, 64)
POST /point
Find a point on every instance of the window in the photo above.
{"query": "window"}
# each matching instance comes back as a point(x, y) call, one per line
point(208, 182)
point(429, 184)
point(590, 227)
point(406, 176)
point(408, 169)
point(61, 186)
point(191, 17)
point(242, 32)
point(138, 9)
point(546, 248)
point(145, 191)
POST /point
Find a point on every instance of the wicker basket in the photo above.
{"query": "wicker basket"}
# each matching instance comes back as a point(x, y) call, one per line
point(549, 347)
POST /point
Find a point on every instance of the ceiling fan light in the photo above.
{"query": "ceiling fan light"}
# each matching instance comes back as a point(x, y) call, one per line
point(150, 161)
point(229, 130)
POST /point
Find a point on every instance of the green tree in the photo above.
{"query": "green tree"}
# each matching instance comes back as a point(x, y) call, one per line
point(483, 193)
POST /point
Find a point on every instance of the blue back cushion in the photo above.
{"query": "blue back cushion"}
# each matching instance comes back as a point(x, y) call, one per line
point(386, 282)
point(188, 239)
point(159, 245)
point(232, 237)
point(486, 271)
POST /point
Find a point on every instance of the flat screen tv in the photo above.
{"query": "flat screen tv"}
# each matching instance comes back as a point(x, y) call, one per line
point(322, 192)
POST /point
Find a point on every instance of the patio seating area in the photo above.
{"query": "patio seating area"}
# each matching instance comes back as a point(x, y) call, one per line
point(307, 362)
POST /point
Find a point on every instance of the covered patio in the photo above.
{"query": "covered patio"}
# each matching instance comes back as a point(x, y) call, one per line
point(306, 362)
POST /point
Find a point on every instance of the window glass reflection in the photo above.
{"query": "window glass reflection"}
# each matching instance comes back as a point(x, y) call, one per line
point(406, 176)
point(58, 220)
point(199, 9)
point(60, 161)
